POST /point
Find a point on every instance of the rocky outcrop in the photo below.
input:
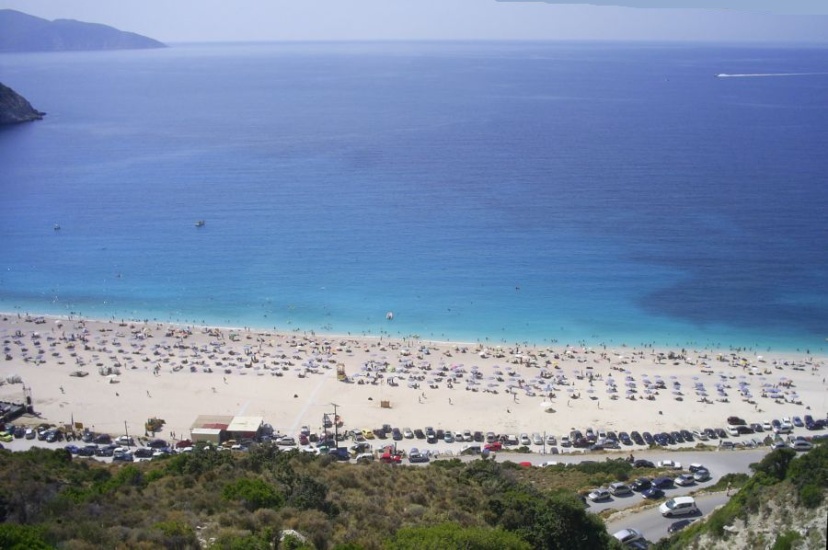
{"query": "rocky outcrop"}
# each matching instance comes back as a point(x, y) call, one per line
point(20, 32)
point(14, 108)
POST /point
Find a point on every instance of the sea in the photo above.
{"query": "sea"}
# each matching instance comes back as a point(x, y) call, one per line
point(550, 193)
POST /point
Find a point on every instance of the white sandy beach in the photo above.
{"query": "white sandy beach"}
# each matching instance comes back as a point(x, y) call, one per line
point(140, 370)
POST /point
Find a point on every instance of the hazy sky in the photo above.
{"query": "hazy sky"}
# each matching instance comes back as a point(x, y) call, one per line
point(261, 20)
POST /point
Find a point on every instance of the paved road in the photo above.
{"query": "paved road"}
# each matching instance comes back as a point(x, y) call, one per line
point(718, 462)
point(653, 526)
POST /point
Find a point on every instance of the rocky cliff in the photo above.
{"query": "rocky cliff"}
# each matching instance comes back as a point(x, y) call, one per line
point(14, 108)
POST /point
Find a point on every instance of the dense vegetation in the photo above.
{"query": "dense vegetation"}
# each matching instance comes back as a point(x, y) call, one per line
point(781, 475)
point(249, 500)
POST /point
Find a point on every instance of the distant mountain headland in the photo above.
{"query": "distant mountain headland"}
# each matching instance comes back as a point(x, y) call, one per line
point(14, 108)
point(20, 32)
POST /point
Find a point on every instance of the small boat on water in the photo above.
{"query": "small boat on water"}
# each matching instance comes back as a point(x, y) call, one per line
point(56, 227)
point(199, 223)
point(390, 315)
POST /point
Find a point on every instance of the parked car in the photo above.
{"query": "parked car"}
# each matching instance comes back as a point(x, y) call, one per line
point(619, 489)
point(340, 453)
point(407, 433)
point(551, 440)
point(663, 482)
point(415, 456)
point(677, 526)
point(627, 536)
point(537, 439)
point(599, 494)
point(624, 438)
point(797, 422)
point(364, 458)
point(685, 480)
point(801, 445)
point(448, 436)
point(670, 464)
point(524, 440)
point(143, 452)
point(641, 463)
point(565, 442)
point(678, 506)
point(653, 493)
point(701, 475)
point(695, 466)
point(641, 484)
point(494, 446)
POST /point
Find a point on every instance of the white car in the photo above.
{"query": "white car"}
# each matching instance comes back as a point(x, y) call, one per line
point(801, 445)
point(565, 442)
point(627, 536)
point(524, 439)
point(537, 439)
point(678, 506)
point(599, 494)
point(550, 440)
point(458, 436)
point(407, 433)
point(671, 464)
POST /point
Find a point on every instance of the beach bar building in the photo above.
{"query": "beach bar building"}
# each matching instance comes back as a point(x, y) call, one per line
point(210, 429)
point(245, 427)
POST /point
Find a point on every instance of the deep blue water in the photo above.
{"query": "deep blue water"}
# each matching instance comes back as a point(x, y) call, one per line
point(504, 191)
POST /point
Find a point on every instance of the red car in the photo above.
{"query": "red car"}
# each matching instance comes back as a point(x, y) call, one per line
point(493, 446)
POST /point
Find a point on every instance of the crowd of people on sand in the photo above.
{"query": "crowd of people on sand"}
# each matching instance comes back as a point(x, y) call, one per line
point(545, 376)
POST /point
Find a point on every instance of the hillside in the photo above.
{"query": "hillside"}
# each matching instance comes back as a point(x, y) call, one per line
point(783, 505)
point(20, 32)
point(244, 500)
point(14, 108)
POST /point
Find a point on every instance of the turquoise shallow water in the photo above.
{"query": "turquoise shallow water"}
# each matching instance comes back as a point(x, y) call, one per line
point(503, 191)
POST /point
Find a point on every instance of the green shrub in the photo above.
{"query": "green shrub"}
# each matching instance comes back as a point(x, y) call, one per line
point(811, 495)
point(22, 537)
point(254, 494)
point(786, 540)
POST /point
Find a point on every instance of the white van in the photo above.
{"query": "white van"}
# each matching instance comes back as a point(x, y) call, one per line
point(678, 506)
